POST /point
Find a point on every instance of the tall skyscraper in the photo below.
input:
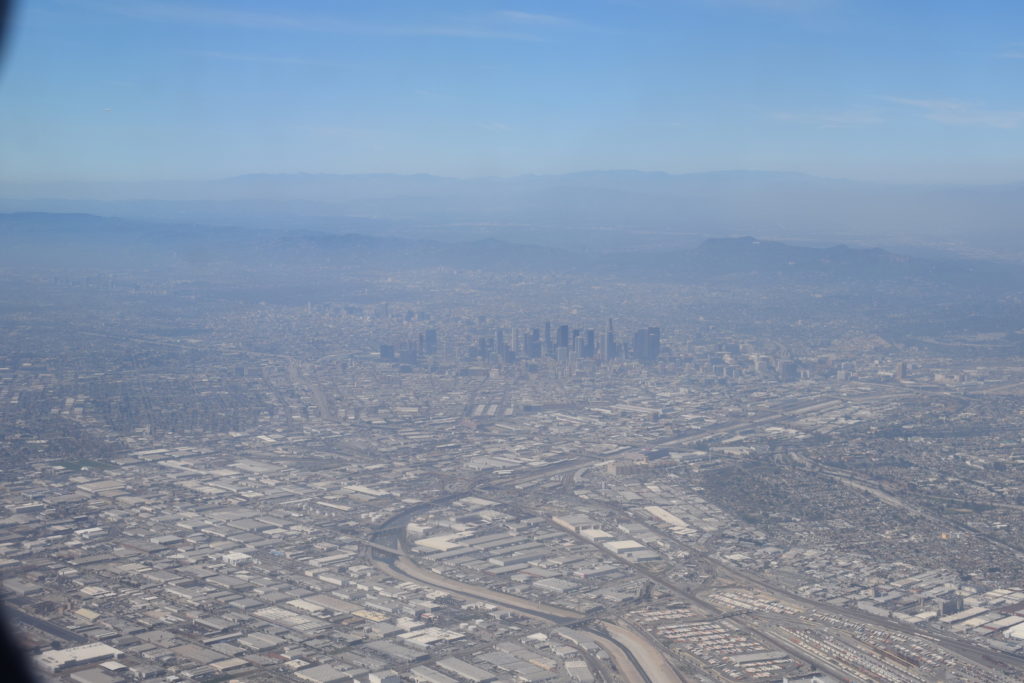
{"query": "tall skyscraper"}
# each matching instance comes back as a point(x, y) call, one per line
point(533, 347)
point(430, 342)
point(640, 345)
point(653, 343)
point(562, 341)
point(609, 349)
point(647, 344)
point(589, 344)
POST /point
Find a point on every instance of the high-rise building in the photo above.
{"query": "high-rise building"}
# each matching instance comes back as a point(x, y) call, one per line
point(430, 342)
point(653, 343)
point(407, 354)
point(609, 349)
point(533, 347)
point(562, 341)
point(589, 344)
point(499, 344)
point(647, 344)
point(640, 345)
point(483, 347)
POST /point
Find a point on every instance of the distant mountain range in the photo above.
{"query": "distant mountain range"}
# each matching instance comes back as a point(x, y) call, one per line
point(600, 210)
point(84, 240)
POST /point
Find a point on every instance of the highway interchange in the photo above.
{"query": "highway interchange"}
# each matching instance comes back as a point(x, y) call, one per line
point(636, 655)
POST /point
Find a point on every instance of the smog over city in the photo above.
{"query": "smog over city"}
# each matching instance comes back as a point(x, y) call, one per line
point(617, 341)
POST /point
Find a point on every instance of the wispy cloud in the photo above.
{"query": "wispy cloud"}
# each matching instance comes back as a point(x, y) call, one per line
point(495, 127)
point(167, 11)
point(532, 19)
point(157, 10)
point(835, 119)
point(1015, 51)
point(778, 5)
point(262, 59)
point(955, 112)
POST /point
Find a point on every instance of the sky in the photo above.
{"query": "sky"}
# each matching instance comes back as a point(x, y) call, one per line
point(907, 91)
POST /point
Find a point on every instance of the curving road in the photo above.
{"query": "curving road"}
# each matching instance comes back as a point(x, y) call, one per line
point(636, 659)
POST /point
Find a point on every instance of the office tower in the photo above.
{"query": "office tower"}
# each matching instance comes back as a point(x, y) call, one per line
point(563, 337)
point(533, 347)
point(589, 344)
point(653, 343)
point(548, 345)
point(407, 354)
point(499, 343)
point(647, 344)
point(430, 342)
point(640, 345)
point(387, 352)
point(610, 350)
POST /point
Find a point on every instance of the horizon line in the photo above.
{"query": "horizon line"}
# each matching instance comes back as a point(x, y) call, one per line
point(438, 176)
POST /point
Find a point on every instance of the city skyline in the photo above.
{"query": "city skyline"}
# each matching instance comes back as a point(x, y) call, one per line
point(602, 341)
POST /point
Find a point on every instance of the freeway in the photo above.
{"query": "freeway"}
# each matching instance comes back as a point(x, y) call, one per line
point(547, 613)
point(635, 658)
point(628, 664)
point(711, 609)
point(634, 655)
point(980, 655)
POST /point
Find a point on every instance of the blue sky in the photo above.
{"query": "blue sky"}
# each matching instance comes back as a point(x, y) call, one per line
point(907, 90)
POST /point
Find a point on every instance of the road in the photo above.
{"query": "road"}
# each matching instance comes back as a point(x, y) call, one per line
point(982, 656)
point(634, 655)
point(635, 658)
